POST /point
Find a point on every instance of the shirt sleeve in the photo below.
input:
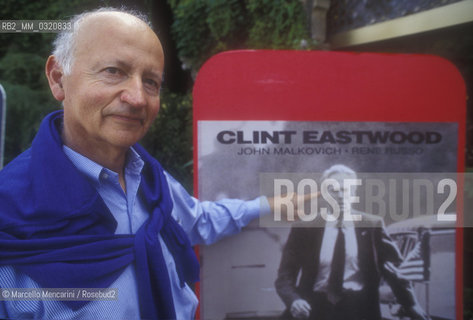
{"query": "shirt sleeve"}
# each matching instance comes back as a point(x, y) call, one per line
point(206, 222)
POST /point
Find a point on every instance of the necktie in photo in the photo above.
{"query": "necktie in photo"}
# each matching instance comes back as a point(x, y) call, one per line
point(335, 280)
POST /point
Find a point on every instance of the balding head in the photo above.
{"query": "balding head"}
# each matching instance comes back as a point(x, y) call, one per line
point(339, 169)
point(64, 47)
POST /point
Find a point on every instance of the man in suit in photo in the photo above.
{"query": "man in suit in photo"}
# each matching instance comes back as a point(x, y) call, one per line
point(332, 269)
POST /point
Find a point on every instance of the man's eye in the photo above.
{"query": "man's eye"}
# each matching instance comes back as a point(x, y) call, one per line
point(112, 70)
point(152, 84)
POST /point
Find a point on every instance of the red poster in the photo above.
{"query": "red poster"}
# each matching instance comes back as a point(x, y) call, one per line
point(260, 114)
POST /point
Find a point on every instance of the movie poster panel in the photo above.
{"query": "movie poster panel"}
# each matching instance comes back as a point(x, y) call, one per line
point(239, 148)
point(239, 273)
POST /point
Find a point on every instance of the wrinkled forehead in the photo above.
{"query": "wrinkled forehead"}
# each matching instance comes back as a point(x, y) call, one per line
point(114, 26)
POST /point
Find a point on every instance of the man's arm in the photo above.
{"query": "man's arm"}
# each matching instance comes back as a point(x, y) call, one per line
point(289, 268)
point(206, 222)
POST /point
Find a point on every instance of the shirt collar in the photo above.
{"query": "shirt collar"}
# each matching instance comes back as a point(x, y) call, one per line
point(93, 171)
point(340, 224)
point(134, 163)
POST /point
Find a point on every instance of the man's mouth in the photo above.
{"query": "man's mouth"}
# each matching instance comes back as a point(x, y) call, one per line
point(127, 118)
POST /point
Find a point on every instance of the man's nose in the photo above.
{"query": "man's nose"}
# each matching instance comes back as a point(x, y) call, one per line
point(134, 93)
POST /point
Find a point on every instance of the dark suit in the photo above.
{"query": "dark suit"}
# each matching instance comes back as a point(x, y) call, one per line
point(302, 253)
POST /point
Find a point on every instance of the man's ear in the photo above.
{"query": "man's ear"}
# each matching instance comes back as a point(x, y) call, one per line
point(55, 75)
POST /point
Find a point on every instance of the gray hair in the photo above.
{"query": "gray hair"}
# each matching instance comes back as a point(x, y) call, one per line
point(338, 168)
point(65, 42)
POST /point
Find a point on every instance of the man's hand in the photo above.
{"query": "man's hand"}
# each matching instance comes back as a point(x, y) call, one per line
point(416, 313)
point(300, 309)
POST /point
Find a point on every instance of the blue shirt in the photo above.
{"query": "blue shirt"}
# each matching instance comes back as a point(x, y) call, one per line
point(204, 223)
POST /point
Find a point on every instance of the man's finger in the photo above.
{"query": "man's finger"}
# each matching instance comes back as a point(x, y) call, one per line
point(288, 205)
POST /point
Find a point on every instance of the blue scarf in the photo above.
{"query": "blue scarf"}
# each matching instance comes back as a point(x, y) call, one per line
point(56, 228)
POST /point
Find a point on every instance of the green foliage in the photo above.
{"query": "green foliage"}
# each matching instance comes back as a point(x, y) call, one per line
point(22, 59)
point(38, 43)
point(226, 22)
point(203, 28)
point(28, 96)
point(170, 137)
point(14, 68)
point(191, 30)
point(26, 108)
point(277, 24)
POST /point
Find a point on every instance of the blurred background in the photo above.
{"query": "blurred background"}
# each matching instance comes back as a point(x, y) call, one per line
point(194, 30)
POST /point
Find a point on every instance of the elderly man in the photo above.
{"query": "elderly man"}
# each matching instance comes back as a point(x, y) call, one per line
point(86, 206)
point(341, 260)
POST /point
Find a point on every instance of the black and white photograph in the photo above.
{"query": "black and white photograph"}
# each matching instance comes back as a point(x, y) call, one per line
point(393, 267)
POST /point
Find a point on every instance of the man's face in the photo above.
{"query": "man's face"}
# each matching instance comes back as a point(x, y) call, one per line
point(339, 190)
point(111, 96)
